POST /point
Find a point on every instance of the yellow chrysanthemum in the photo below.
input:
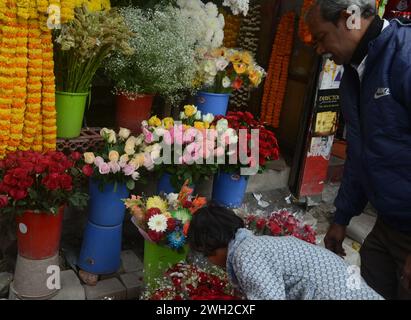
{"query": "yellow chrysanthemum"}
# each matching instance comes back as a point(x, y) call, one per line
point(157, 202)
point(247, 58)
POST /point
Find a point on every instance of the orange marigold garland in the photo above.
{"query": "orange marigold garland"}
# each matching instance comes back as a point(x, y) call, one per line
point(7, 71)
point(20, 85)
point(276, 81)
point(303, 31)
point(49, 128)
point(34, 86)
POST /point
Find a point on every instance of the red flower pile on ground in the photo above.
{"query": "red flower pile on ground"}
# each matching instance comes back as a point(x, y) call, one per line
point(188, 282)
point(35, 181)
point(281, 223)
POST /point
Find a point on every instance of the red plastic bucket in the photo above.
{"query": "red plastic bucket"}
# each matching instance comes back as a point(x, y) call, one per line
point(38, 234)
point(130, 113)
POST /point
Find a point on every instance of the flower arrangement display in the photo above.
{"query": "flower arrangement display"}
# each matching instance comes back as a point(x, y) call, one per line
point(120, 161)
point(40, 182)
point(84, 43)
point(224, 70)
point(189, 282)
point(194, 145)
point(164, 54)
point(165, 220)
point(276, 81)
point(280, 223)
point(267, 143)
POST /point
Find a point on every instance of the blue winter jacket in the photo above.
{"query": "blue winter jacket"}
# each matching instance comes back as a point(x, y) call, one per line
point(377, 113)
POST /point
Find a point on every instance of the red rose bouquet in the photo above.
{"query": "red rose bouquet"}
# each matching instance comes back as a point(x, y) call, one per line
point(280, 223)
point(188, 282)
point(40, 182)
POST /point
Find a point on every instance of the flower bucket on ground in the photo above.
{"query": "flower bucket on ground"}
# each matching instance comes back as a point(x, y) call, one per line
point(113, 172)
point(164, 223)
point(229, 189)
point(39, 233)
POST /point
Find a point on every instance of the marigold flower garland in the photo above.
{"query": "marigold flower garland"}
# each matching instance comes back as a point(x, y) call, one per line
point(35, 71)
point(7, 71)
point(303, 31)
point(20, 86)
point(276, 81)
point(48, 111)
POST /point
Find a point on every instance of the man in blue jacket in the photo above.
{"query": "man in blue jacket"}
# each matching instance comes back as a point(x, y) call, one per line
point(376, 106)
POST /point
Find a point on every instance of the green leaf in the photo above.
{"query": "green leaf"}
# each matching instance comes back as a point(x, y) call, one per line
point(131, 184)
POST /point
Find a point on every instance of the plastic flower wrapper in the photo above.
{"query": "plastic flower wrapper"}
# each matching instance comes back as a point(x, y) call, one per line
point(280, 223)
point(189, 282)
point(165, 219)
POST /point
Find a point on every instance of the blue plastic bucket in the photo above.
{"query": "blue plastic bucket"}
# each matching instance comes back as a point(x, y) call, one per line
point(229, 189)
point(101, 249)
point(164, 184)
point(106, 207)
point(214, 103)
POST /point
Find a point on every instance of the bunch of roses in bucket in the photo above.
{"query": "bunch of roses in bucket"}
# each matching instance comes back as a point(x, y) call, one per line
point(256, 145)
point(120, 160)
point(281, 223)
point(189, 282)
point(224, 70)
point(165, 220)
point(189, 148)
point(40, 181)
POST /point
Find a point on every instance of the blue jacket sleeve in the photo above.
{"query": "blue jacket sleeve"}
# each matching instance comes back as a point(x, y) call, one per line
point(351, 199)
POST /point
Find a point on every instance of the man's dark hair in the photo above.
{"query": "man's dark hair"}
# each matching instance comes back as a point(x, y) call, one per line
point(212, 228)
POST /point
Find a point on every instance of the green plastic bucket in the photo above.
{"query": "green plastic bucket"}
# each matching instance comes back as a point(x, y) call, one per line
point(157, 259)
point(70, 112)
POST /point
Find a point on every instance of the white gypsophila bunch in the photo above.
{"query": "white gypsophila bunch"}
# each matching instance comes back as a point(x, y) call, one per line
point(237, 6)
point(206, 22)
point(164, 59)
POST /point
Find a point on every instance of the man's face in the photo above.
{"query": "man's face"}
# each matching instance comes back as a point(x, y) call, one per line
point(330, 39)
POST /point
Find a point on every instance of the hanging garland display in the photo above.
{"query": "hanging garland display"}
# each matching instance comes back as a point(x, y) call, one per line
point(276, 81)
point(248, 40)
point(27, 86)
point(231, 29)
point(303, 31)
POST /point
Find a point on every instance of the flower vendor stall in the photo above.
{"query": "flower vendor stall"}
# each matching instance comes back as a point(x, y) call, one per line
point(164, 222)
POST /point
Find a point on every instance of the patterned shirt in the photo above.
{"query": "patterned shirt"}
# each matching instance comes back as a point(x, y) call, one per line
point(286, 268)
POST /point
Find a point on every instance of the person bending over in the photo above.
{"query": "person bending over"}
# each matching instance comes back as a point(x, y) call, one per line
point(273, 268)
